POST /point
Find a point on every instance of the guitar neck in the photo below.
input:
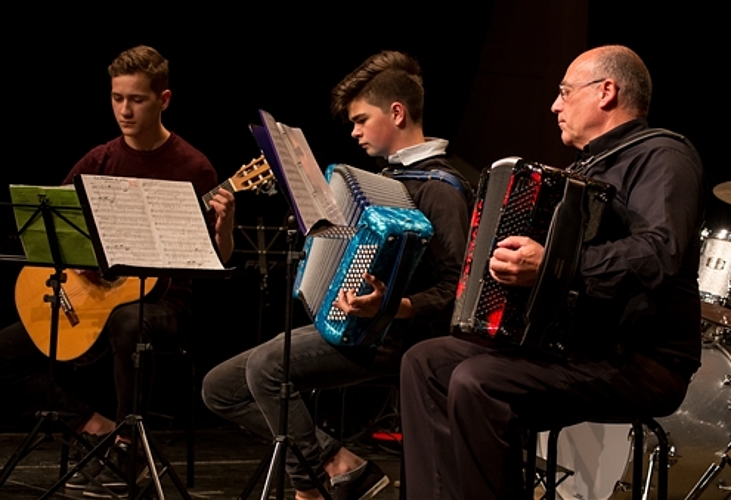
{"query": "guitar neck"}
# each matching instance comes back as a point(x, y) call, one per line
point(227, 185)
point(248, 177)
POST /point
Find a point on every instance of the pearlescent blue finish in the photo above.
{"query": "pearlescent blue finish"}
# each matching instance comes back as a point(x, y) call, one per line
point(383, 227)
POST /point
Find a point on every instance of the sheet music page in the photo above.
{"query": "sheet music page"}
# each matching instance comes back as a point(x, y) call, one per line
point(309, 192)
point(319, 188)
point(150, 223)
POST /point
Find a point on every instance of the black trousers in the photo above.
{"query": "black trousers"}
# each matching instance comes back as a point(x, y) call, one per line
point(464, 407)
point(76, 394)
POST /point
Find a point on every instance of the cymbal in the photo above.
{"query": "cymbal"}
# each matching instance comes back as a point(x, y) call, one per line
point(723, 191)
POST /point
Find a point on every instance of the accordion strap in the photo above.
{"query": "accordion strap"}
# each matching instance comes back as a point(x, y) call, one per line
point(424, 175)
point(581, 167)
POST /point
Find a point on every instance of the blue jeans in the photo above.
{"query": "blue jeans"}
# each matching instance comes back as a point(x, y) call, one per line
point(246, 390)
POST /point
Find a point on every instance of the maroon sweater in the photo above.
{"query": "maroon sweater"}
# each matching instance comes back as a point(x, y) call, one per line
point(175, 160)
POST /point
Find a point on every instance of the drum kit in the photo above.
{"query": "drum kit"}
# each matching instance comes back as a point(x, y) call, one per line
point(699, 431)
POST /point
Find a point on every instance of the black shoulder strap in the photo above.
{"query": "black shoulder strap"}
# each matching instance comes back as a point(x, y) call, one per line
point(583, 166)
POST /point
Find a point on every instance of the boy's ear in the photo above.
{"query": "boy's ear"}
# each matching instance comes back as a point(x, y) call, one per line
point(398, 114)
point(165, 98)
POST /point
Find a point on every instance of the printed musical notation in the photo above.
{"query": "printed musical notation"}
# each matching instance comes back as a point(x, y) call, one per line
point(149, 223)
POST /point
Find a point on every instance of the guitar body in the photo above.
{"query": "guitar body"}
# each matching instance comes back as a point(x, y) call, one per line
point(85, 309)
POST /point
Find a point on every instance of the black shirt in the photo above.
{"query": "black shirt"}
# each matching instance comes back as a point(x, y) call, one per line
point(433, 286)
point(642, 278)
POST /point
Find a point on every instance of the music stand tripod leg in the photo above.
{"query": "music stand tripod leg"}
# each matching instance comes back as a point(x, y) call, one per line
point(282, 441)
point(139, 434)
point(55, 280)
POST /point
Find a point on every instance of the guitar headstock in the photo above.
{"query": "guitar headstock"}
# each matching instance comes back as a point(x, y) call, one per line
point(252, 175)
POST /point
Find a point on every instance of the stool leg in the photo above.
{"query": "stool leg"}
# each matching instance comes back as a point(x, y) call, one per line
point(638, 457)
point(530, 464)
point(190, 423)
point(663, 459)
point(551, 464)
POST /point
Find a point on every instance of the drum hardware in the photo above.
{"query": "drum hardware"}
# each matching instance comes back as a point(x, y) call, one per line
point(708, 476)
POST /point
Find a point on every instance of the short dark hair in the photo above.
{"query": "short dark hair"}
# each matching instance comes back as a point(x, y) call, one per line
point(630, 73)
point(382, 79)
point(145, 60)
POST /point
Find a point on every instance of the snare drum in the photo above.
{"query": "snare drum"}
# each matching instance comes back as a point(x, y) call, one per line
point(714, 270)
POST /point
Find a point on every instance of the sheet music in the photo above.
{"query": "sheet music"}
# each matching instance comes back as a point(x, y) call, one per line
point(311, 195)
point(150, 223)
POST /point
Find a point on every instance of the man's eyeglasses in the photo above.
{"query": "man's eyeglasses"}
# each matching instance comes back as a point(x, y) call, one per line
point(565, 90)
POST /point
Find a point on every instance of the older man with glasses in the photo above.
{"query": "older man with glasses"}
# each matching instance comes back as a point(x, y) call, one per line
point(637, 334)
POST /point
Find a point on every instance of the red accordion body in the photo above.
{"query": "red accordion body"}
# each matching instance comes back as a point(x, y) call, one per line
point(556, 208)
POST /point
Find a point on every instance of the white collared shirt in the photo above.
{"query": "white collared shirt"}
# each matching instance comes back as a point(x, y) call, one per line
point(412, 154)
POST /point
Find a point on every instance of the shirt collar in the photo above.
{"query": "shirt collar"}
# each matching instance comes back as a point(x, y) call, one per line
point(613, 137)
point(412, 154)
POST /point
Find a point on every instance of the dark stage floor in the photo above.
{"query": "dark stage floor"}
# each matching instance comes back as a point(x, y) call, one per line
point(225, 460)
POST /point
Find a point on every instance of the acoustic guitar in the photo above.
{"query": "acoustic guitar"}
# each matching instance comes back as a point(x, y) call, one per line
point(87, 300)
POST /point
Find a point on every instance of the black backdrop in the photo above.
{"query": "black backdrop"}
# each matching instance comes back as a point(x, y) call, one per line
point(228, 62)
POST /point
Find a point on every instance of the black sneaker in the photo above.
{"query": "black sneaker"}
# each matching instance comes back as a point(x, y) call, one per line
point(362, 483)
point(109, 484)
point(93, 467)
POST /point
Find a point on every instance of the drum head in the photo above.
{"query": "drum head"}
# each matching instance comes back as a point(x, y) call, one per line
point(597, 454)
point(701, 428)
point(698, 432)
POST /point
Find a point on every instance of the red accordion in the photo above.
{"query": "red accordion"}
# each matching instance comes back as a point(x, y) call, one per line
point(557, 208)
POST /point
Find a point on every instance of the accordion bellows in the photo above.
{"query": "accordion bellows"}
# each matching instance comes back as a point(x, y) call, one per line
point(386, 235)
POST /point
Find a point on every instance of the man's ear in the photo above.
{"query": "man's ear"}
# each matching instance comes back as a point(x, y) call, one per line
point(609, 94)
point(398, 114)
point(165, 98)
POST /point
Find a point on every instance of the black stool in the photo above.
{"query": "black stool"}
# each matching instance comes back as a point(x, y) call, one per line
point(552, 469)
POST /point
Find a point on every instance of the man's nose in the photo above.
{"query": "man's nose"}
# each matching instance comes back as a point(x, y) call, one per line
point(557, 104)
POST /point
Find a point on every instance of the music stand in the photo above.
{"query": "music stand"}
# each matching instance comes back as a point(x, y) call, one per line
point(134, 234)
point(261, 248)
point(315, 210)
point(45, 217)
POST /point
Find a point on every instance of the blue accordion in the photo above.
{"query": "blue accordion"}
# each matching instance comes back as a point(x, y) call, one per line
point(385, 236)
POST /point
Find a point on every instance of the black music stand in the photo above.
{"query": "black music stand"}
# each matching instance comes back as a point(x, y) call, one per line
point(313, 205)
point(261, 248)
point(105, 202)
point(47, 214)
